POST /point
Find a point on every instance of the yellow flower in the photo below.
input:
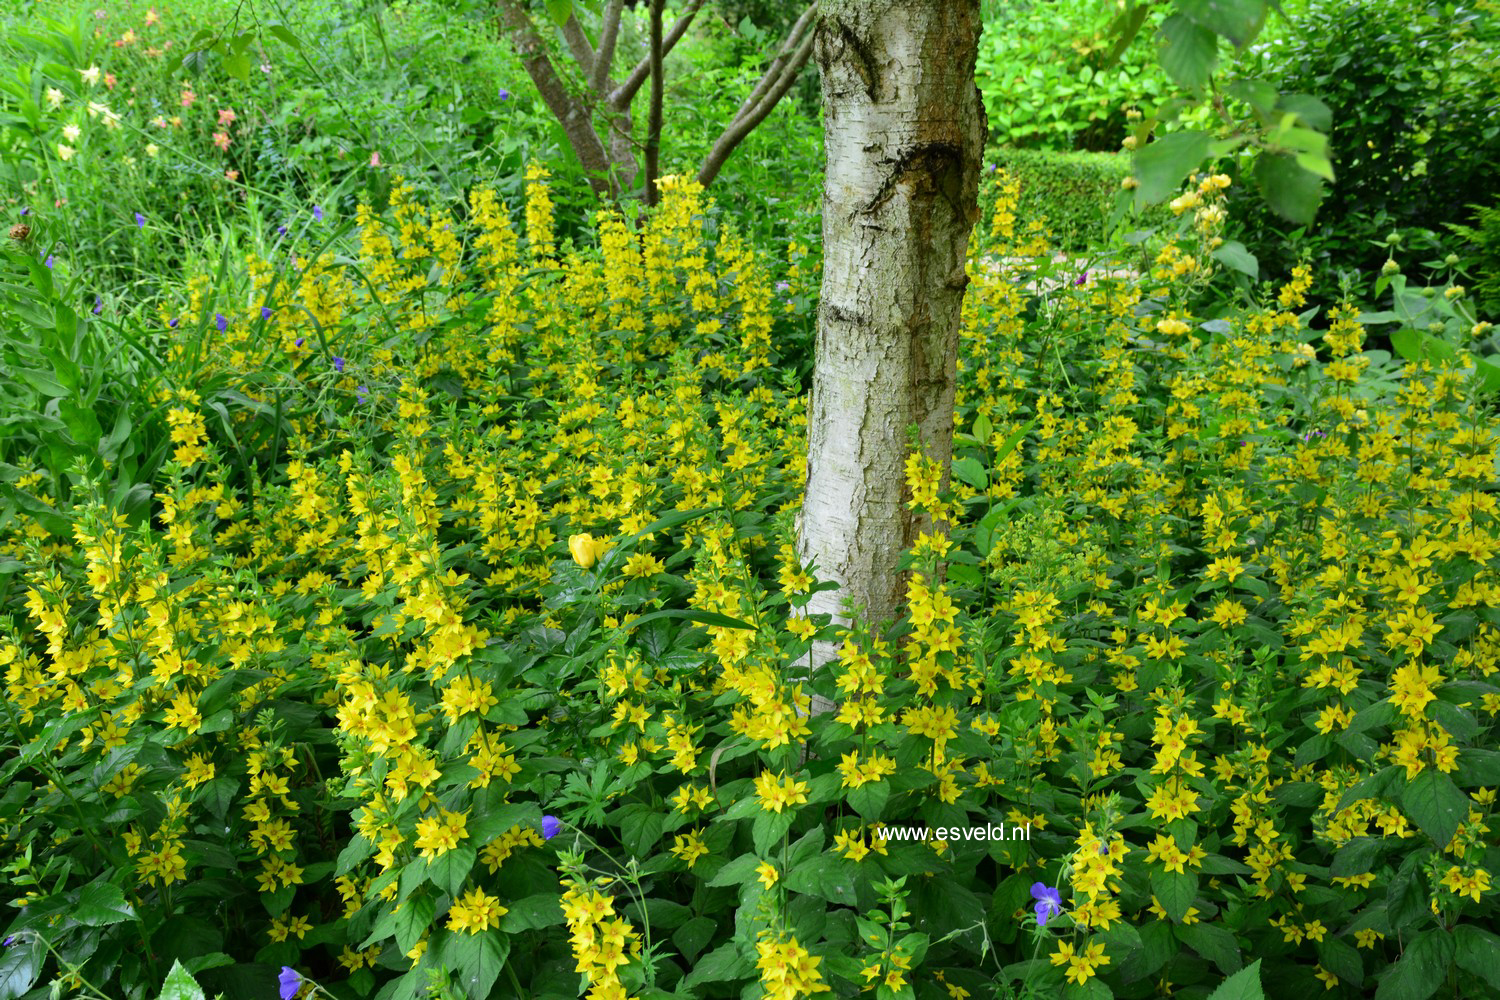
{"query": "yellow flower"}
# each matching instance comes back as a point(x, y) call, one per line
point(767, 874)
point(475, 912)
point(586, 549)
point(689, 847)
point(776, 793)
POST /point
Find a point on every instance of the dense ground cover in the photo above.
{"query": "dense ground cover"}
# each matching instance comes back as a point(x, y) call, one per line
point(398, 597)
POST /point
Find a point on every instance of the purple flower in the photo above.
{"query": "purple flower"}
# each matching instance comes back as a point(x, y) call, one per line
point(172, 322)
point(140, 221)
point(1048, 903)
point(24, 211)
point(281, 230)
point(364, 393)
point(290, 981)
point(49, 260)
point(98, 305)
point(221, 322)
point(504, 94)
point(1082, 279)
point(12, 939)
point(318, 212)
point(265, 312)
point(299, 341)
point(783, 287)
point(338, 364)
point(551, 826)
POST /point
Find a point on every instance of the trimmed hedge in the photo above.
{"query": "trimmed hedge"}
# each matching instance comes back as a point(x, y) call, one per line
point(1075, 191)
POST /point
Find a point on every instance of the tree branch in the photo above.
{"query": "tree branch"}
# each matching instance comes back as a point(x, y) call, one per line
point(623, 94)
point(744, 124)
point(573, 117)
point(578, 44)
point(772, 75)
point(658, 84)
point(605, 57)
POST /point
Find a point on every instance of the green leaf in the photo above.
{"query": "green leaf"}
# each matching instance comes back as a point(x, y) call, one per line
point(1214, 943)
point(1477, 951)
point(180, 985)
point(1421, 970)
point(1189, 52)
point(560, 10)
point(532, 912)
point(692, 937)
point(1292, 192)
point(1243, 985)
point(1478, 768)
point(285, 34)
point(1237, 20)
point(723, 964)
point(1435, 804)
point(412, 920)
point(100, 904)
point(1175, 892)
point(21, 965)
point(1161, 165)
point(449, 871)
point(1356, 857)
point(1234, 255)
point(970, 471)
point(692, 615)
point(1340, 958)
point(736, 872)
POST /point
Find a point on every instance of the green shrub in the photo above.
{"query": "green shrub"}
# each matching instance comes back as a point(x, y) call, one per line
point(1410, 88)
point(1481, 253)
point(1075, 192)
point(1047, 79)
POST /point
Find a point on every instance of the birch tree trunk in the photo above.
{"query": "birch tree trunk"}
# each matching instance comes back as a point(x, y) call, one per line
point(904, 135)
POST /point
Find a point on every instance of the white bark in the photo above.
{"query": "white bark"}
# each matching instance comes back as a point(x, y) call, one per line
point(904, 135)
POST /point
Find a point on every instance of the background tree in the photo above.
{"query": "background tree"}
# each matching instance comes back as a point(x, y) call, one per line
point(596, 116)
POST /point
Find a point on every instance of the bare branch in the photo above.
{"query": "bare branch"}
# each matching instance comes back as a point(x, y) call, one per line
point(744, 124)
point(573, 117)
point(625, 92)
point(578, 44)
point(605, 57)
point(772, 75)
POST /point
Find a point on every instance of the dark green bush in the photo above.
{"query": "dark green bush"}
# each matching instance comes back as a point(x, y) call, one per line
point(1411, 87)
point(1481, 254)
point(1074, 191)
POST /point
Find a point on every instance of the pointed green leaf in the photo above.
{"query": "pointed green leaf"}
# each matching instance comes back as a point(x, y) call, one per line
point(180, 985)
point(1237, 20)
point(1292, 192)
point(1161, 165)
point(1435, 804)
point(1189, 52)
point(1243, 985)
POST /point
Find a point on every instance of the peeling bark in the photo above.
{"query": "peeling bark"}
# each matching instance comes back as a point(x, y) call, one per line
point(904, 135)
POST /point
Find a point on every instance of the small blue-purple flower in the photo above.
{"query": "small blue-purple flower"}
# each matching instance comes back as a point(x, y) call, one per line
point(172, 322)
point(338, 364)
point(98, 305)
point(140, 221)
point(281, 230)
point(290, 982)
point(782, 287)
point(12, 939)
point(48, 261)
point(551, 826)
point(1048, 903)
point(364, 393)
point(25, 211)
point(504, 94)
point(265, 312)
point(318, 212)
point(300, 340)
point(221, 322)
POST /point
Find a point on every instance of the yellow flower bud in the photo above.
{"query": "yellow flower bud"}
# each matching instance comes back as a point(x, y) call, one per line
point(585, 548)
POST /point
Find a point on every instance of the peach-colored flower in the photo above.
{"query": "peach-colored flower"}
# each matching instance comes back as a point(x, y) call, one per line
point(221, 140)
point(188, 97)
point(151, 16)
point(226, 116)
point(374, 159)
point(109, 80)
point(233, 175)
